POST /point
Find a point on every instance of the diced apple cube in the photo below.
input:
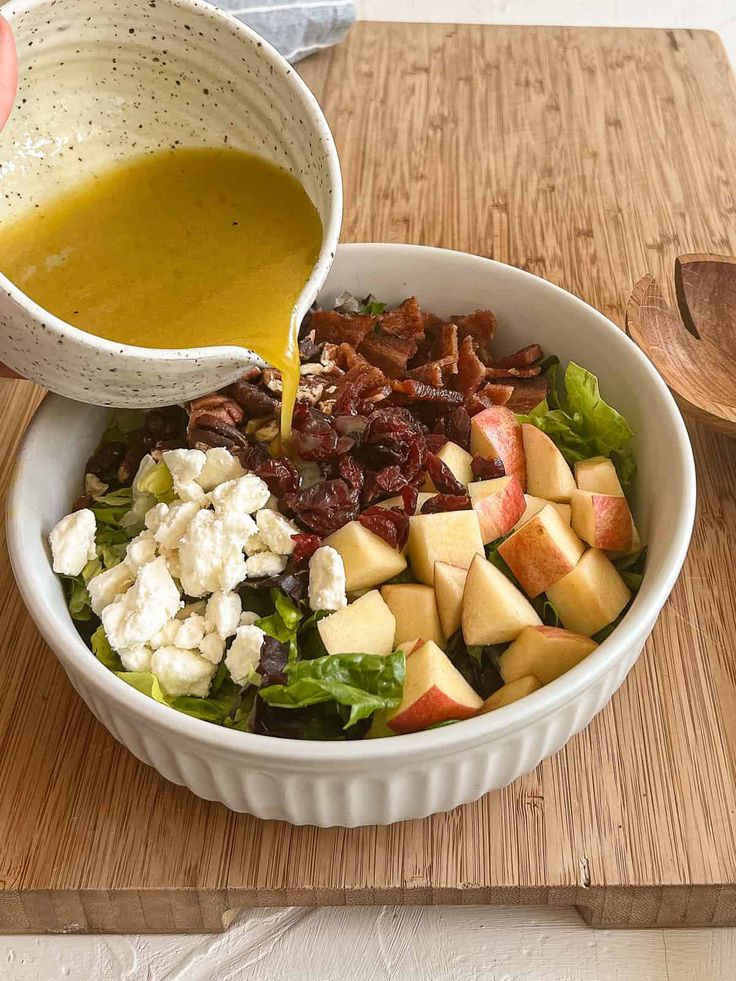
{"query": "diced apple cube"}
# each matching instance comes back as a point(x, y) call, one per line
point(533, 505)
point(499, 503)
point(509, 693)
point(602, 520)
point(409, 646)
point(599, 476)
point(434, 691)
point(591, 596)
point(449, 584)
point(547, 473)
point(448, 536)
point(495, 433)
point(415, 610)
point(368, 560)
point(542, 551)
point(458, 460)
point(494, 610)
point(366, 626)
point(545, 652)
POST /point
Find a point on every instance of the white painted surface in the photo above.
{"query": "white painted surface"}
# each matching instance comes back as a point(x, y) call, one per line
point(421, 944)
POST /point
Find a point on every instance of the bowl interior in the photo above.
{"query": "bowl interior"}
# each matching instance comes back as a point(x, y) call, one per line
point(102, 80)
point(528, 310)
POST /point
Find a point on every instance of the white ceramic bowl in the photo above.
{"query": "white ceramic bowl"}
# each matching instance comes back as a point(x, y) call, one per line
point(104, 80)
point(383, 780)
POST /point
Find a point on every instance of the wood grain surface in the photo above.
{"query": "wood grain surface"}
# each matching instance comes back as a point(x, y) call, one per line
point(590, 157)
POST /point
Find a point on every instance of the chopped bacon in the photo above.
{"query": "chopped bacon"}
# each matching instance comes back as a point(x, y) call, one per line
point(431, 373)
point(471, 371)
point(406, 321)
point(395, 339)
point(497, 394)
point(528, 393)
point(329, 325)
point(446, 345)
point(522, 358)
point(418, 391)
point(363, 383)
point(481, 326)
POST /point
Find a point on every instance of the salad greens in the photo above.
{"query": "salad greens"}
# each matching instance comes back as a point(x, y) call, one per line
point(582, 424)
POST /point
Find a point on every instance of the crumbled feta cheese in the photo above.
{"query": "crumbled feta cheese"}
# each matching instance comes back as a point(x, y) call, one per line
point(173, 563)
point(134, 617)
point(220, 465)
point(137, 658)
point(140, 550)
point(211, 552)
point(276, 531)
point(174, 523)
point(182, 672)
point(212, 648)
point(245, 654)
point(73, 542)
point(223, 613)
point(264, 564)
point(106, 586)
point(185, 467)
point(248, 618)
point(244, 495)
point(154, 517)
point(327, 580)
point(191, 632)
point(255, 544)
point(166, 636)
point(199, 607)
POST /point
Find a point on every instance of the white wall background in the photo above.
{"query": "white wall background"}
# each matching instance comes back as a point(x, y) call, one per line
point(414, 944)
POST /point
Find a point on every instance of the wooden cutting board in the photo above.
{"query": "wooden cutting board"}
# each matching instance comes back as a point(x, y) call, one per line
point(589, 157)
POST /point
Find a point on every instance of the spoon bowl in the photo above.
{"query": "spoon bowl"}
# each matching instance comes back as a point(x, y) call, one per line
point(102, 81)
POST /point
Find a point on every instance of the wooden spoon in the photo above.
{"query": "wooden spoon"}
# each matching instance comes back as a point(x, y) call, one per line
point(694, 352)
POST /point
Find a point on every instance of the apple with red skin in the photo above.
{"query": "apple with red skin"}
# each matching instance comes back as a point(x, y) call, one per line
point(511, 692)
point(542, 551)
point(499, 504)
point(495, 433)
point(414, 607)
point(602, 520)
point(544, 652)
point(449, 585)
point(591, 596)
point(547, 472)
point(494, 610)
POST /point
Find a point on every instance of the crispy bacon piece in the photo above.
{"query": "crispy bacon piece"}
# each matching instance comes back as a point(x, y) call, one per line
point(329, 325)
point(417, 391)
point(497, 394)
point(528, 393)
point(513, 372)
point(522, 358)
point(431, 373)
point(481, 326)
point(395, 339)
point(446, 346)
point(471, 371)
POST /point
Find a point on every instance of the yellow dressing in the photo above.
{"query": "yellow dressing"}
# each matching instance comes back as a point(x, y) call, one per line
point(182, 248)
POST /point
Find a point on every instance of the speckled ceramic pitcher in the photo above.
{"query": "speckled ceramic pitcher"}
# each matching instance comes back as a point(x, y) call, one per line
point(103, 80)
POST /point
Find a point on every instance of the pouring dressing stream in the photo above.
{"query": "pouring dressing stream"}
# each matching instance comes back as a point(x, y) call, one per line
point(176, 249)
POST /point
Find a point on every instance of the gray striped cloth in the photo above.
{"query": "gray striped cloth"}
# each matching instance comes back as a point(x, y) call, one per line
point(296, 28)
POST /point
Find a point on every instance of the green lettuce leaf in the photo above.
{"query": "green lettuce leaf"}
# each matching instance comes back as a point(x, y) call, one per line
point(363, 682)
point(145, 682)
point(75, 590)
point(582, 424)
point(221, 705)
point(103, 652)
point(123, 423)
point(157, 480)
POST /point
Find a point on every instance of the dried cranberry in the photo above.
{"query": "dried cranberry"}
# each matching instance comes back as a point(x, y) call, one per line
point(253, 456)
point(351, 473)
point(280, 474)
point(457, 427)
point(325, 507)
point(435, 442)
point(442, 477)
point(390, 524)
point(445, 502)
point(484, 467)
point(272, 665)
point(409, 497)
point(315, 434)
point(305, 545)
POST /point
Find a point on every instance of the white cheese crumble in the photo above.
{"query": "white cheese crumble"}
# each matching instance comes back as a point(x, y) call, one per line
point(140, 550)
point(182, 672)
point(276, 531)
point(223, 613)
point(255, 544)
point(166, 636)
point(244, 655)
point(136, 658)
point(327, 580)
point(154, 516)
point(72, 542)
point(219, 466)
point(264, 564)
point(191, 632)
point(244, 495)
point(105, 587)
point(212, 648)
point(173, 525)
point(211, 552)
point(185, 466)
point(136, 615)
point(248, 618)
